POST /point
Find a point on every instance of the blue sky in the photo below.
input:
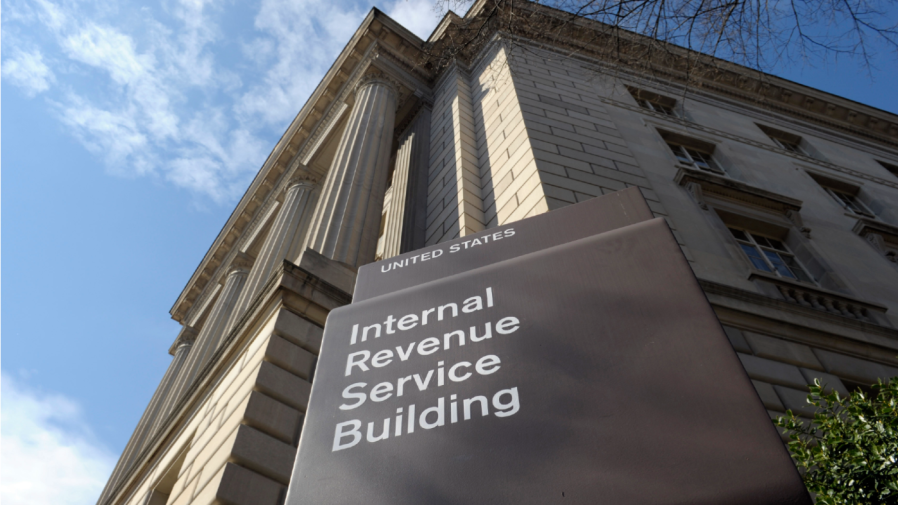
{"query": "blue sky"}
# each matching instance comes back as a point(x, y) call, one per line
point(131, 129)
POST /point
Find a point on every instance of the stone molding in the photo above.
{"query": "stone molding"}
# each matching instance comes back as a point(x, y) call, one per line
point(187, 337)
point(698, 183)
point(377, 76)
point(866, 226)
point(880, 235)
point(301, 179)
point(240, 264)
point(742, 295)
point(821, 299)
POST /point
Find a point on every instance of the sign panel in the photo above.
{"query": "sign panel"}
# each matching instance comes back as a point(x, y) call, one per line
point(561, 226)
point(589, 372)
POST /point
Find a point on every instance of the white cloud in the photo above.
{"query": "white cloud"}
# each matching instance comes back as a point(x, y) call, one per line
point(184, 91)
point(307, 35)
point(419, 16)
point(28, 71)
point(49, 455)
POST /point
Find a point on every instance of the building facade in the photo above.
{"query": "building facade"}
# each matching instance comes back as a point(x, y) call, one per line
point(784, 200)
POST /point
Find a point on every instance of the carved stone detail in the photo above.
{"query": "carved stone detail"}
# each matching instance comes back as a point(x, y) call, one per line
point(377, 76)
point(695, 192)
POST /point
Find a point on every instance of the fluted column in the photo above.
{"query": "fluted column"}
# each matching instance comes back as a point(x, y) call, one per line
point(283, 242)
point(144, 431)
point(347, 220)
point(406, 215)
point(210, 336)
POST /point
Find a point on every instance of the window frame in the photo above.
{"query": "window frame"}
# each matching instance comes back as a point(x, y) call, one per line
point(785, 140)
point(654, 106)
point(849, 202)
point(654, 102)
point(794, 147)
point(683, 155)
point(763, 252)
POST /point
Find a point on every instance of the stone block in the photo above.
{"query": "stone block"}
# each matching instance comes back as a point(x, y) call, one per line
point(290, 357)
point(301, 332)
point(866, 372)
point(782, 350)
point(263, 454)
point(768, 395)
point(241, 486)
point(332, 272)
point(272, 417)
point(830, 382)
point(772, 372)
point(283, 386)
point(796, 401)
point(736, 339)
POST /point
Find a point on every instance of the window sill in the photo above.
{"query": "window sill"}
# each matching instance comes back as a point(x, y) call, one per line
point(815, 297)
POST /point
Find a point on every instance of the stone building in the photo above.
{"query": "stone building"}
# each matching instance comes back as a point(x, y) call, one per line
point(783, 198)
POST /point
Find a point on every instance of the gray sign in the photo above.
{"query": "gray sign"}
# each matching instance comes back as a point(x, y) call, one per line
point(589, 372)
point(561, 226)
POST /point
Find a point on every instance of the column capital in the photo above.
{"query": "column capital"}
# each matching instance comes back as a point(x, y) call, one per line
point(302, 179)
point(240, 264)
point(376, 76)
point(186, 337)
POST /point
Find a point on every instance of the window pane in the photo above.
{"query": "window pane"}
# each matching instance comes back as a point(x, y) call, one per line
point(755, 257)
point(854, 204)
point(796, 269)
point(762, 241)
point(703, 160)
point(776, 244)
point(663, 108)
point(680, 153)
point(779, 264)
point(739, 234)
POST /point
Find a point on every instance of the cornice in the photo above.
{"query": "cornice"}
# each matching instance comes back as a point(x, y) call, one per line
point(720, 76)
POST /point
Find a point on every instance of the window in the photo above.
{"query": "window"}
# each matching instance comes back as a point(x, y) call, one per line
point(844, 193)
point(788, 141)
point(695, 157)
point(850, 202)
point(654, 102)
point(770, 255)
point(889, 167)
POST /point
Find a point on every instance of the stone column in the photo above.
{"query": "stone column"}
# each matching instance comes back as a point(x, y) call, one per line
point(210, 336)
point(347, 220)
point(407, 214)
point(144, 431)
point(283, 242)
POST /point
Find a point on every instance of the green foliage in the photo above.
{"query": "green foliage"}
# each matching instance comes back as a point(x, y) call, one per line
point(848, 455)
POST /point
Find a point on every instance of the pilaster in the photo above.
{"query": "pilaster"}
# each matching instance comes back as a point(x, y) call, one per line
point(406, 215)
